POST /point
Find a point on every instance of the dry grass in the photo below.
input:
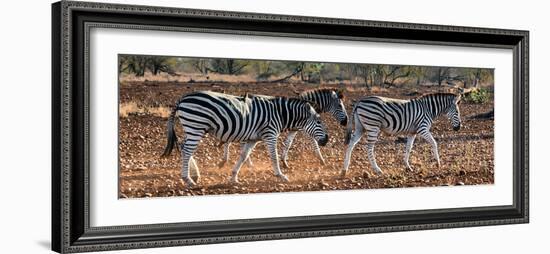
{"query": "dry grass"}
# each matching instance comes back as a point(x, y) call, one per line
point(365, 90)
point(131, 108)
point(210, 77)
point(163, 112)
point(162, 77)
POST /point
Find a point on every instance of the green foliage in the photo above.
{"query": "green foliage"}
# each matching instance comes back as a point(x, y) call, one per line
point(369, 75)
point(138, 65)
point(478, 96)
point(199, 65)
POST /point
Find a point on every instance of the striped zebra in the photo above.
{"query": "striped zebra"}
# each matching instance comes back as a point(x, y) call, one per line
point(392, 116)
point(239, 119)
point(324, 100)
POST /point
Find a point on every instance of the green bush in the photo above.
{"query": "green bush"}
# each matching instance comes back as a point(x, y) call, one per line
point(479, 96)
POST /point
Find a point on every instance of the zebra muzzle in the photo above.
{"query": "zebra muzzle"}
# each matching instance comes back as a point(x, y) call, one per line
point(344, 122)
point(323, 141)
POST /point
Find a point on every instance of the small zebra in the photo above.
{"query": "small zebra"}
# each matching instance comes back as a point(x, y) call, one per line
point(392, 116)
point(239, 119)
point(324, 100)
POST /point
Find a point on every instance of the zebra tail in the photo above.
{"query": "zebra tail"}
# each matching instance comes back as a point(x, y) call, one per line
point(172, 139)
point(349, 129)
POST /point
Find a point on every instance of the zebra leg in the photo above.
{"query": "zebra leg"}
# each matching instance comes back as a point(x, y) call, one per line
point(225, 158)
point(188, 147)
point(355, 137)
point(245, 152)
point(408, 148)
point(286, 147)
point(249, 161)
point(195, 174)
point(318, 152)
point(372, 137)
point(428, 137)
point(271, 143)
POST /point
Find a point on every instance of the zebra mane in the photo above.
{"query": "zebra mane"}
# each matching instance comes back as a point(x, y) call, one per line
point(429, 98)
point(293, 99)
point(339, 92)
point(439, 94)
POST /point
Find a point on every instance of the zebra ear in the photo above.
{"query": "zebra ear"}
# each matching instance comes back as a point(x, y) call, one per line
point(313, 106)
point(458, 97)
point(466, 91)
point(340, 93)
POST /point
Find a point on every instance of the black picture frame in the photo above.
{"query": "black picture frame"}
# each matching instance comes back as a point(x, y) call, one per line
point(71, 231)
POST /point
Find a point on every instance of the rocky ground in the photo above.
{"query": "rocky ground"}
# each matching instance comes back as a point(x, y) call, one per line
point(466, 156)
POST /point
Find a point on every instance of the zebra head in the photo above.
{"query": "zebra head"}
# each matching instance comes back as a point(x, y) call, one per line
point(315, 128)
point(453, 113)
point(336, 107)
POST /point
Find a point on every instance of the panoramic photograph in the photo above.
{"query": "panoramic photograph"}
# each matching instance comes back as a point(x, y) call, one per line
point(192, 126)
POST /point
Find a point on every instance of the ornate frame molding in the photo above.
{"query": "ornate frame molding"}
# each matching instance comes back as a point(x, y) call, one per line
point(71, 22)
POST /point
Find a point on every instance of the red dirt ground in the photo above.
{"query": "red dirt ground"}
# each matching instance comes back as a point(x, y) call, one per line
point(466, 156)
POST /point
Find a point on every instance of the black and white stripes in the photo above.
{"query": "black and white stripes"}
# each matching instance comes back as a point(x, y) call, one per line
point(247, 119)
point(252, 118)
point(413, 117)
point(324, 100)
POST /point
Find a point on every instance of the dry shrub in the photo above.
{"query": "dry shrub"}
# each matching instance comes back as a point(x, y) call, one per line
point(187, 77)
point(163, 112)
point(129, 108)
point(365, 90)
point(377, 89)
point(132, 108)
point(161, 77)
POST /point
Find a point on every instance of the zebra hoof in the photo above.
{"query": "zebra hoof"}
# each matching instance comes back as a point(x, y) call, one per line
point(197, 179)
point(283, 178)
point(378, 171)
point(323, 163)
point(234, 180)
point(189, 182)
point(285, 165)
point(343, 173)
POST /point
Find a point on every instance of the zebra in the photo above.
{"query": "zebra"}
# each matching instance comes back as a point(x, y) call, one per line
point(324, 100)
point(392, 116)
point(246, 119)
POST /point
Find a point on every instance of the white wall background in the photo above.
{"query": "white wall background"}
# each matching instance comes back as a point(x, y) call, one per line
point(25, 125)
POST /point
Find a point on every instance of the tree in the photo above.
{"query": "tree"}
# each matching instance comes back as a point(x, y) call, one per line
point(442, 75)
point(262, 69)
point(377, 73)
point(158, 64)
point(364, 71)
point(420, 73)
point(313, 72)
point(350, 70)
point(476, 76)
point(235, 66)
point(133, 64)
point(296, 68)
point(201, 65)
point(228, 66)
point(394, 73)
point(138, 65)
